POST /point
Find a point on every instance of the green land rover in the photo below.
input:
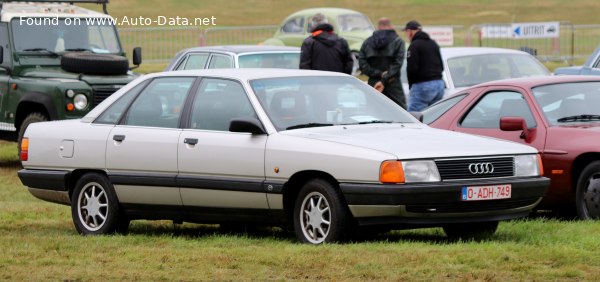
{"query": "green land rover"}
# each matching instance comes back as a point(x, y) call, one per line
point(57, 61)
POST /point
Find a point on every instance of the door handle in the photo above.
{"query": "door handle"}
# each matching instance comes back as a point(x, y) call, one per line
point(191, 141)
point(119, 138)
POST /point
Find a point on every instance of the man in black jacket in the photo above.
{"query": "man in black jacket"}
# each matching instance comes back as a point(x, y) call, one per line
point(324, 50)
point(381, 57)
point(424, 68)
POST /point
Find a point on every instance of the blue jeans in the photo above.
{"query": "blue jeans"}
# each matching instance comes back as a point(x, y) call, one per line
point(423, 94)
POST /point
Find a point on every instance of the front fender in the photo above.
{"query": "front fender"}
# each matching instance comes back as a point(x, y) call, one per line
point(39, 98)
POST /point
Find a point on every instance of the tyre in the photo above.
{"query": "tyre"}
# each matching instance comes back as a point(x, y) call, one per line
point(320, 214)
point(95, 208)
point(474, 230)
point(587, 194)
point(98, 64)
point(31, 118)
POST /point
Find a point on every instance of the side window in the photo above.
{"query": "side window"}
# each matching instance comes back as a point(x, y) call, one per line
point(160, 103)
point(494, 105)
point(194, 61)
point(217, 102)
point(220, 62)
point(113, 114)
point(294, 25)
point(433, 112)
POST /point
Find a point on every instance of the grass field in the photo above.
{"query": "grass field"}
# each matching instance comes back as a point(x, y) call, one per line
point(39, 243)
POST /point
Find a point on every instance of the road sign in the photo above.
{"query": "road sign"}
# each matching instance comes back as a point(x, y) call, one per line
point(536, 30)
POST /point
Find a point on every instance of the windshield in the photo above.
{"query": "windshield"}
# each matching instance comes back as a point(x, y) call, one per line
point(296, 102)
point(354, 22)
point(470, 70)
point(53, 34)
point(569, 102)
point(270, 60)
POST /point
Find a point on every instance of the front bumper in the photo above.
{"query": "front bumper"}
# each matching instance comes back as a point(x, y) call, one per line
point(440, 203)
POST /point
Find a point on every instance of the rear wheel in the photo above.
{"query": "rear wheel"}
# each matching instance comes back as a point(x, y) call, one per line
point(587, 194)
point(29, 119)
point(474, 230)
point(95, 208)
point(320, 215)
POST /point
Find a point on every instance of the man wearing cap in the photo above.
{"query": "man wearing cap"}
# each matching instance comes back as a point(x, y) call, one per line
point(381, 57)
point(324, 50)
point(424, 68)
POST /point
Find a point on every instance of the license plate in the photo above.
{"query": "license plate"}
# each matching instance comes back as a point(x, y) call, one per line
point(492, 192)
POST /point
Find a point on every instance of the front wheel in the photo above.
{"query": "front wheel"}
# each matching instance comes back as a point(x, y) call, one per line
point(587, 194)
point(95, 208)
point(474, 230)
point(320, 215)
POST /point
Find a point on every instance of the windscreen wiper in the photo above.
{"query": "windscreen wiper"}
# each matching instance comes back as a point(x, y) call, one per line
point(306, 125)
point(376, 121)
point(41, 50)
point(579, 118)
point(78, 49)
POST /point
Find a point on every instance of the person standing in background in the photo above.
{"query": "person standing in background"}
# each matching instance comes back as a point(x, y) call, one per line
point(325, 50)
point(381, 57)
point(423, 68)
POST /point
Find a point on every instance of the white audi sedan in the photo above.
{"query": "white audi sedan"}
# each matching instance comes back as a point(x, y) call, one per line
point(321, 151)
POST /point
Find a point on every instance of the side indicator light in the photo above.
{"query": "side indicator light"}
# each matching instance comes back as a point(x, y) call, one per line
point(539, 158)
point(391, 172)
point(24, 149)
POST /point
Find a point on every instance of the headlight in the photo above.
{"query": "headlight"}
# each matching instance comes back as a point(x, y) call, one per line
point(528, 165)
point(408, 171)
point(80, 101)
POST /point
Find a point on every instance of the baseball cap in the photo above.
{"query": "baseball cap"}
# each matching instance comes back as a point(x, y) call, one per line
point(412, 25)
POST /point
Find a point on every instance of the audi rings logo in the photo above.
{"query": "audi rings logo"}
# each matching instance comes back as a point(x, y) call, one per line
point(481, 168)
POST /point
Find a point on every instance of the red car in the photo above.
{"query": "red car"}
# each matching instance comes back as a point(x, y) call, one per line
point(558, 115)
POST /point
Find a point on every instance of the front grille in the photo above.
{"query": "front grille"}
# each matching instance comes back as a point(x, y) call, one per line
point(102, 92)
point(456, 169)
point(471, 206)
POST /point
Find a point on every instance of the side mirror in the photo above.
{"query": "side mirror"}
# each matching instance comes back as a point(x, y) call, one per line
point(137, 56)
point(516, 124)
point(1, 55)
point(248, 125)
point(417, 115)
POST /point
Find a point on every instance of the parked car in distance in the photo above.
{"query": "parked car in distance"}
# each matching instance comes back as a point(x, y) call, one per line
point(353, 26)
point(236, 56)
point(322, 151)
point(468, 66)
point(558, 115)
point(591, 66)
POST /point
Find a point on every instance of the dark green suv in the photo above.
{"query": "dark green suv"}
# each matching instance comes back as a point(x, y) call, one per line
point(57, 61)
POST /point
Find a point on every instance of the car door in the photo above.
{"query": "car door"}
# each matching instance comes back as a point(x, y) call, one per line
point(482, 116)
point(141, 150)
point(219, 169)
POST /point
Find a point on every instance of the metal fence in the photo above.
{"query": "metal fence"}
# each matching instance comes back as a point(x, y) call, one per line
point(161, 44)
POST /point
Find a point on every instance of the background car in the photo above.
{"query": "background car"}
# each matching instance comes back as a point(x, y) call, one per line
point(353, 26)
point(591, 66)
point(468, 66)
point(236, 56)
point(320, 150)
point(558, 115)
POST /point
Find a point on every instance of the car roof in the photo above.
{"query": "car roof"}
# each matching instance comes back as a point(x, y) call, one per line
point(12, 10)
point(247, 73)
point(237, 49)
point(529, 82)
point(451, 52)
point(326, 11)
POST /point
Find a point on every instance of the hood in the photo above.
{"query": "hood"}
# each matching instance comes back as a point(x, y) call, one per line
point(381, 38)
point(60, 74)
point(412, 141)
point(421, 35)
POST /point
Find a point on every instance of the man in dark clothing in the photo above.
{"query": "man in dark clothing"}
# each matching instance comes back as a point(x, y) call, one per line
point(324, 50)
point(424, 68)
point(381, 57)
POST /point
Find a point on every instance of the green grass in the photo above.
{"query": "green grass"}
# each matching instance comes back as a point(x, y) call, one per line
point(39, 242)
